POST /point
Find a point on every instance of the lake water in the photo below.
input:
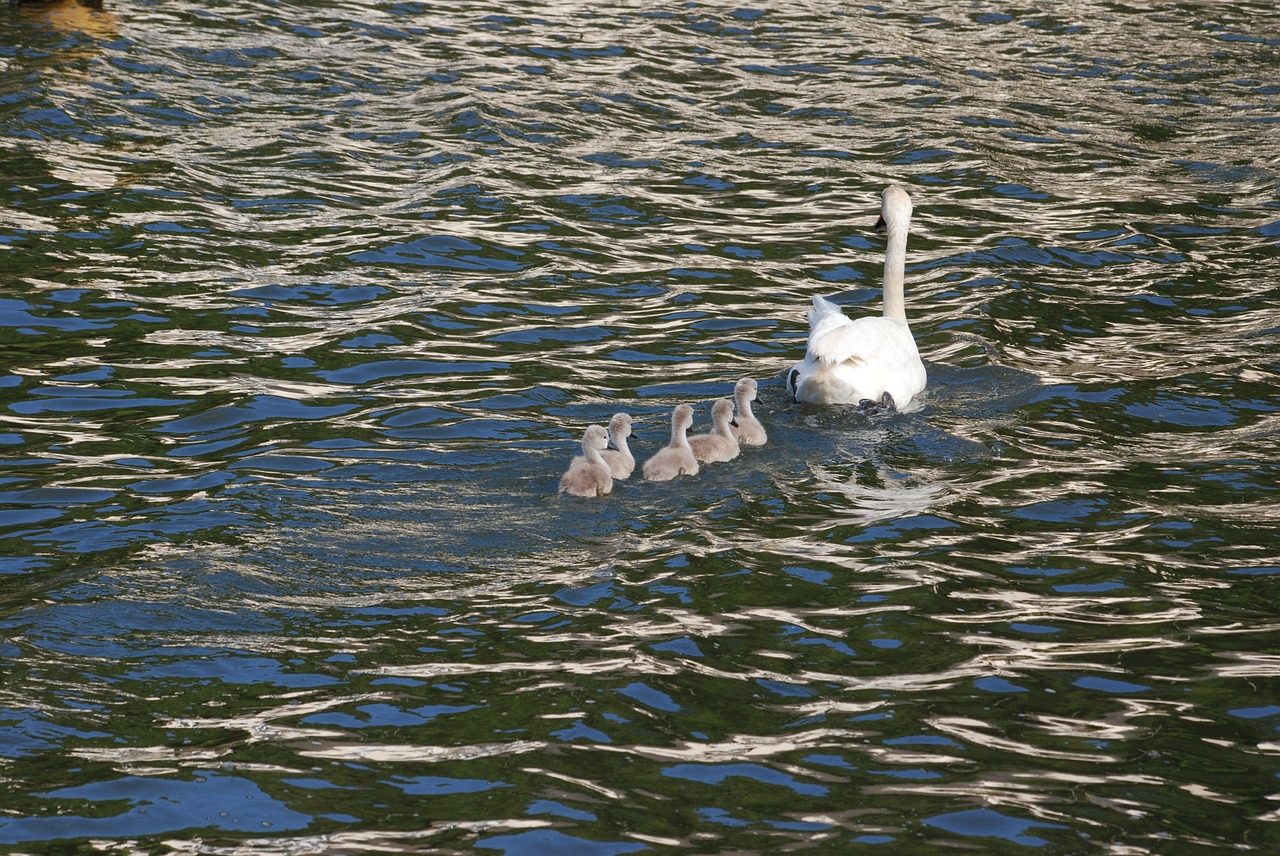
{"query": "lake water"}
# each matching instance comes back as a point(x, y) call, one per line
point(304, 308)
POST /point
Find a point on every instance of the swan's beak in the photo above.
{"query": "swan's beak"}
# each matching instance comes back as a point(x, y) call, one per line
point(881, 226)
point(733, 422)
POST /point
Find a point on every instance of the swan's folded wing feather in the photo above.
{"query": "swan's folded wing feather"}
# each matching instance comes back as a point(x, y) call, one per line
point(862, 341)
point(834, 339)
point(823, 308)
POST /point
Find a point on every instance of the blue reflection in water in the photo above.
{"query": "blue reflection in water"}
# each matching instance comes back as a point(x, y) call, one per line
point(987, 823)
point(715, 774)
point(155, 806)
point(540, 841)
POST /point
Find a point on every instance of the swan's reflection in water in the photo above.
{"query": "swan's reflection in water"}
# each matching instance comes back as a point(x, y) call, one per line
point(881, 494)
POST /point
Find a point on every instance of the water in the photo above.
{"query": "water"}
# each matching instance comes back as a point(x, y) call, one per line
point(305, 306)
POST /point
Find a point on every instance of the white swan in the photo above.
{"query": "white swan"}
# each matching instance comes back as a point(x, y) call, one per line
point(749, 431)
point(677, 458)
point(720, 444)
point(870, 360)
point(588, 475)
point(620, 460)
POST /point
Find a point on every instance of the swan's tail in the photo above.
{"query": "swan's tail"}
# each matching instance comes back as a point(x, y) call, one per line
point(822, 308)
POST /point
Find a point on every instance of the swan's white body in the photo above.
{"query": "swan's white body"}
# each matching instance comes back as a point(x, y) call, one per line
point(851, 361)
point(748, 430)
point(677, 458)
point(620, 460)
point(720, 444)
point(588, 475)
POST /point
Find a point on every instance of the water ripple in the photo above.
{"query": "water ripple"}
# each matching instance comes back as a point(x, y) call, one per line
point(307, 308)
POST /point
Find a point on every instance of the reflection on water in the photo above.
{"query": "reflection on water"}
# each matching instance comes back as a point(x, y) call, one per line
point(303, 312)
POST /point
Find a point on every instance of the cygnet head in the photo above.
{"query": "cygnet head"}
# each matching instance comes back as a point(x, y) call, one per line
point(596, 438)
point(681, 418)
point(722, 413)
point(620, 426)
point(745, 389)
point(895, 209)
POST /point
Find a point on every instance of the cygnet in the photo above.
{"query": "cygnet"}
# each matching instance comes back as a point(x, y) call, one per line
point(620, 460)
point(720, 444)
point(749, 431)
point(675, 458)
point(588, 475)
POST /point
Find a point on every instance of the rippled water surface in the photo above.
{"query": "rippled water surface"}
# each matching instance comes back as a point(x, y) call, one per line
point(304, 307)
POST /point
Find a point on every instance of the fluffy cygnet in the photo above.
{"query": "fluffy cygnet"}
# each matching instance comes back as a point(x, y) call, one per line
point(620, 460)
point(588, 475)
point(749, 431)
point(676, 458)
point(720, 444)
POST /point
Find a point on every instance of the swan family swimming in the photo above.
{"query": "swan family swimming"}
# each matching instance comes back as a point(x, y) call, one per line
point(870, 361)
point(593, 472)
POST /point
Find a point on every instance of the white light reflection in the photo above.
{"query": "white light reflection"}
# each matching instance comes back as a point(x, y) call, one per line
point(374, 841)
point(1205, 793)
point(981, 733)
point(737, 748)
point(1028, 606)
point(645, 664)
point(585, 784)
point(1026, 792)
point(259, 726)
point(420, 753)
point(1246, 664)
point(869, 504)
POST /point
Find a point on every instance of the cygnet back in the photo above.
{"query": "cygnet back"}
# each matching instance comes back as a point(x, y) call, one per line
point(749, 430)
point(720, 444)
point(620, 460)
point(589, 475)
point(675, 458)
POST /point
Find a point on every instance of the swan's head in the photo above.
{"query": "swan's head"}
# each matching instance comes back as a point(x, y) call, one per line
point(682, 417)
point(595, 437)
point(895, 209)
point(745, 389)
point(722, 412)
point(620, 425)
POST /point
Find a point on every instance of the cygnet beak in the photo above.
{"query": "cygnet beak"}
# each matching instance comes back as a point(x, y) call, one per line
point(881, 226)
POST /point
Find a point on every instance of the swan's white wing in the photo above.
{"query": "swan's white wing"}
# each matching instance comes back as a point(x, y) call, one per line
point(873, 341)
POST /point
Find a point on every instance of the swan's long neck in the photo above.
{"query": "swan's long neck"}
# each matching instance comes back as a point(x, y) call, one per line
point(895, 272)
point(592, 453)
point(744, 406)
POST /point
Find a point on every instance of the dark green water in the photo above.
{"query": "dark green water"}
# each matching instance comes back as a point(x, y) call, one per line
point(303, 308)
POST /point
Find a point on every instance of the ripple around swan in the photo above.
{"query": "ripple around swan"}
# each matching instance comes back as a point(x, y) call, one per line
point(305, 310)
